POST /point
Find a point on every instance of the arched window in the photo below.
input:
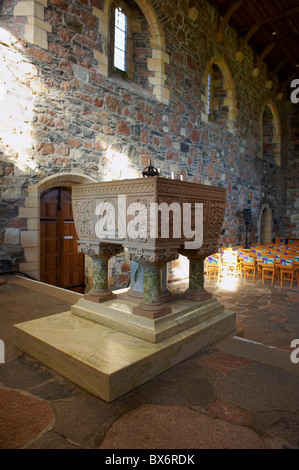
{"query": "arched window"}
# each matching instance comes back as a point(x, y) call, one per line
point(217, 108)
point(219, 94)
point(270, 133)
point(120, 39)
point(133, 45)
point(130, 43)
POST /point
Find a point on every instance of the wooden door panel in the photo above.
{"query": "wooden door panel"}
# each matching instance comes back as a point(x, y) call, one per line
point(60, 264)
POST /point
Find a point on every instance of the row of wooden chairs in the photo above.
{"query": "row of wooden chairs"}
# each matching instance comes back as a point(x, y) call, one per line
point(262, 261)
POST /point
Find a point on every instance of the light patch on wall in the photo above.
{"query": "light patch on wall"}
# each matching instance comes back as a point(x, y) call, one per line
point(16, 102)
point(118, 166)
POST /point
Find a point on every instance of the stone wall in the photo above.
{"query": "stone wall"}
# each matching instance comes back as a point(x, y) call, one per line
point(292, 210)
point(61, 111)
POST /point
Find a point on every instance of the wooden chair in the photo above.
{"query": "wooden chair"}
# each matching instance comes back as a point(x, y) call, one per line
point(296, 267)
point(260, 254)
point(269, 268)
point(242, 253)
point(214, 267)
point(287, 270)
point(229, 261)
point(249, 267)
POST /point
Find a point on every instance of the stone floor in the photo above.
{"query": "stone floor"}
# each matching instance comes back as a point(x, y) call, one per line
point(241, 392)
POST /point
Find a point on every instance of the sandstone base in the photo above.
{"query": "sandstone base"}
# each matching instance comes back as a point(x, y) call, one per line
point(106, 362)
point(121, 315)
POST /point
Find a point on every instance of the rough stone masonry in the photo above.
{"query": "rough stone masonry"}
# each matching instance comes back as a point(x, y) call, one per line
point(63, 110)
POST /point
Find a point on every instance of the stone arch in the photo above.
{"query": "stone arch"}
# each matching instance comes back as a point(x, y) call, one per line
point(228, 86)
point(156, 63)
point(265, 224)
point(275, 139)
point(30, 238)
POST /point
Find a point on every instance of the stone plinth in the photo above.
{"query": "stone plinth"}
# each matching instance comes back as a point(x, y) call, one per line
point(106, 362)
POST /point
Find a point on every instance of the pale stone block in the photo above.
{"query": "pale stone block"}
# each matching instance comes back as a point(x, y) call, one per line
point(30, 238)
point(157, 42)
point(32, 254)
point(103, 28)
point(100, 57)
point(42, 2)
point(135, 25)
point(232, 115)
point(162, 91)
point(28, 213)
point(28, 267)
point(155, 81)
point(33, 191)
point(33, 224)
point(204, 117)
point(228, 84)
point(162, 76)
point(156, 30)
point(269, 84)
point(228, 101)
point(158, 54)
point(150, 15)
point(41, 24)
point(31, 201)
point(162, 99)
point(239, 56)
point(12, 236)
point(29, 8)
point(255, 72)
point(103, 69)
point(156, 65)
point(36, 35)
point(193, 13)
point(102, 15)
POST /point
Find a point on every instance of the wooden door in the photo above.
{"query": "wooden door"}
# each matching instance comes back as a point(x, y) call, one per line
point(60, 263)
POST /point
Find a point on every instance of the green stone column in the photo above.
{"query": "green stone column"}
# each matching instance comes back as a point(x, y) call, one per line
point(196, 290)
point(152, 305)
point(100, 274)
point(100, 291)
point(152, 285)
point(196, 274)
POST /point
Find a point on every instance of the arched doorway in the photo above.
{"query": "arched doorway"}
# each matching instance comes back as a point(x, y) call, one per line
point(265, 225)
point(30, 238)
point(61, 264)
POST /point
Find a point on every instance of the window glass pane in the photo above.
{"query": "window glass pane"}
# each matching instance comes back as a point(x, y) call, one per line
point(120, 31)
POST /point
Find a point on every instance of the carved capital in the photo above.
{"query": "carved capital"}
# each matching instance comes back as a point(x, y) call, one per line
point(99, 250)
point(201, 253)
point(153, 258)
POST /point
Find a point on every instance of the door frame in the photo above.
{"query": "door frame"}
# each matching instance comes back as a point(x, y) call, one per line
point(30, 238)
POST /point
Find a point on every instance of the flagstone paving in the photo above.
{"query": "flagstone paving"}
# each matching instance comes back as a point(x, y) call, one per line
point(241, 392)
